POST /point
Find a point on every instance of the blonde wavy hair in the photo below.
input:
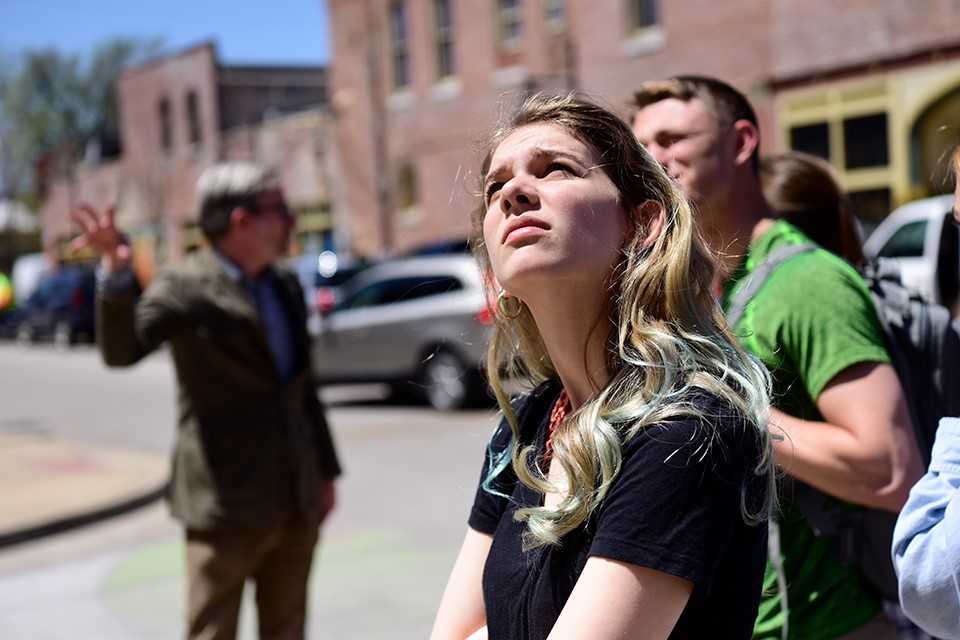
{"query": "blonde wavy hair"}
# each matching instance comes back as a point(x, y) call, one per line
point(667, 334)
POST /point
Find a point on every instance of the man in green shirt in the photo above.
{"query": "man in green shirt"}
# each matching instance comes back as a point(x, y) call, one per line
point(839, 404)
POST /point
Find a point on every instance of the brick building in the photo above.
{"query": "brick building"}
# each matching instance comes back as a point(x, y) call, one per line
point(868, 84)
point(182, 113)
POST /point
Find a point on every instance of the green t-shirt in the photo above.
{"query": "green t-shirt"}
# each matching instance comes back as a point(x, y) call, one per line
point(812, 319)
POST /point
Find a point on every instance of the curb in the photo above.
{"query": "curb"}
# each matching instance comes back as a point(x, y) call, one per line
point(67, 523)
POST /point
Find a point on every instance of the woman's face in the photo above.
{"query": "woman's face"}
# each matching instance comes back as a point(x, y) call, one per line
point(553, 217)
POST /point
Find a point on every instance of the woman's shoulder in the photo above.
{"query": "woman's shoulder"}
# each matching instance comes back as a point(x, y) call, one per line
point(706, 428)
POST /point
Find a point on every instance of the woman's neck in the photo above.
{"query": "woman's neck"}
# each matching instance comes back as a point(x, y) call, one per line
point(575, 331)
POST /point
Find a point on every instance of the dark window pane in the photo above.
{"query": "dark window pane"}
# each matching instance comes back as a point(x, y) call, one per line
point(415, 287)
point(193, 117)
point(398, 45)
point(366, 297)
point(509, 21)
point(811, 138)
point(444, 38)
point(906, 242)
point(427, 286)
point(166, 125)
point(397, 290)
point(865, 141)
point(644, 13)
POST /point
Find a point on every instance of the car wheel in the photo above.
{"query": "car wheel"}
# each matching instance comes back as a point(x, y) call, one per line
point(448, 383)
point(62, 335)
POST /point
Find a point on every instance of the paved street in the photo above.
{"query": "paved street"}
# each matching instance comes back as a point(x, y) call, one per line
point(386, 552)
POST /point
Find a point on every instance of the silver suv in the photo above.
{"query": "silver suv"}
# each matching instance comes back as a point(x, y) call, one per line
point(420, 324)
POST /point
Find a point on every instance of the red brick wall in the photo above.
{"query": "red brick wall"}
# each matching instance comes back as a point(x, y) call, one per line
point(166, 178)
point(439, 135)
point(350, 100)
point(728, 40)
point(814, 36)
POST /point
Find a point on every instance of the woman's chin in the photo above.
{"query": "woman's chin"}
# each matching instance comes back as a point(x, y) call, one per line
point(529, 274)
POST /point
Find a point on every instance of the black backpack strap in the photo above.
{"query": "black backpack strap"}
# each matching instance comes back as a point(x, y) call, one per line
point(759, 276)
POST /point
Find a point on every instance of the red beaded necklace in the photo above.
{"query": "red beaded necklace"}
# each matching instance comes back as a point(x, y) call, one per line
point(561, 407)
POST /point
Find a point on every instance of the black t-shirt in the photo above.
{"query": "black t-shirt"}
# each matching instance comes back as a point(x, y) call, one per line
point(675, 507)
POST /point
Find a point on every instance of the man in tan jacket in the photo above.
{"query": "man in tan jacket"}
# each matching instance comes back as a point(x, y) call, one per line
point(254, 463)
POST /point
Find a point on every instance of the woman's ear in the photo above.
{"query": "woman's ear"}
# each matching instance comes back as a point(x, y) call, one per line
point(650, 218)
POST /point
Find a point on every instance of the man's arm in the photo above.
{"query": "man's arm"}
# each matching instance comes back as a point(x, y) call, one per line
point(128, 326)
point(864, 451)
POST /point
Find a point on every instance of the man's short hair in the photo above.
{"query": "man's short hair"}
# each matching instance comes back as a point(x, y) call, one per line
point(726, 103)
point(226, 186)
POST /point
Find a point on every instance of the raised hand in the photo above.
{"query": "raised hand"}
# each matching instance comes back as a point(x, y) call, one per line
point(100, 233)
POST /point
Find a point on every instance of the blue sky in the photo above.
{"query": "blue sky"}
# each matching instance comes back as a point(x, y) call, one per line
point(273, 32)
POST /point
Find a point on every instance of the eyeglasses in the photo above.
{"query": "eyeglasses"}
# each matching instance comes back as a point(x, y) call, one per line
point(279, 208)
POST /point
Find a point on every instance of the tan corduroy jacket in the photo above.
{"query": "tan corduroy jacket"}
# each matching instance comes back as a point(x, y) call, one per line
point(249, 448)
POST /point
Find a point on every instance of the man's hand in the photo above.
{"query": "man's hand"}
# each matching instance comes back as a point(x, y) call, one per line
point(327, 499)
point(99, 232)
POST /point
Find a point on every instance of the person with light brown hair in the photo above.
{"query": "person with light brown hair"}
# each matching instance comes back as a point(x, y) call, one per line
point(805, 190)
point(626, 495)
point(839, 404)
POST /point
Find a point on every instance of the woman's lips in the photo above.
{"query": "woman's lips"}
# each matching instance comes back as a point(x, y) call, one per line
point(522, 229)
point(526, 232)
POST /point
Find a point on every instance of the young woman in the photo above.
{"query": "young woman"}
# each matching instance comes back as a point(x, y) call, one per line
point(626, 496)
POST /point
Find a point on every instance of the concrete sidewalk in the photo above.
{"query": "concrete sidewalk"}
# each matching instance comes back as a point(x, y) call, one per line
point(49, 485)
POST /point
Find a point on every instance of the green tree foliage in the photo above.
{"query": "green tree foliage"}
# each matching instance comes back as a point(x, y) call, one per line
point(58, 107)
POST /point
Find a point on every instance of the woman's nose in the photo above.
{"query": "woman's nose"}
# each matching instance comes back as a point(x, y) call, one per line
point(519, 195)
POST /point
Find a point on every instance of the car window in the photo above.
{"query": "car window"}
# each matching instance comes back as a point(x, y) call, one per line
point(339, 277)
point(368, 296)
point(907, 242)
point(426, 286)
point(400, 290)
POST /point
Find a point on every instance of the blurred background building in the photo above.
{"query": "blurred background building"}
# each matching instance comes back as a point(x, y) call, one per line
point(380, 157)
point(178, 115)
point(873, 86)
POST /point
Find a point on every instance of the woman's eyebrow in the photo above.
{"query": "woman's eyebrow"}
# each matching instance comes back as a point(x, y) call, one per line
point(540, 152)
point(537, 153)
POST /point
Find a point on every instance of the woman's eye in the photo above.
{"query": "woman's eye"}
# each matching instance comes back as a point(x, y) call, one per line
point(493, 188)
point(556, 166)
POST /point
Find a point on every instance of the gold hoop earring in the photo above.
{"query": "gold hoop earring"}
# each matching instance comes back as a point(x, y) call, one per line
point(509, 306)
